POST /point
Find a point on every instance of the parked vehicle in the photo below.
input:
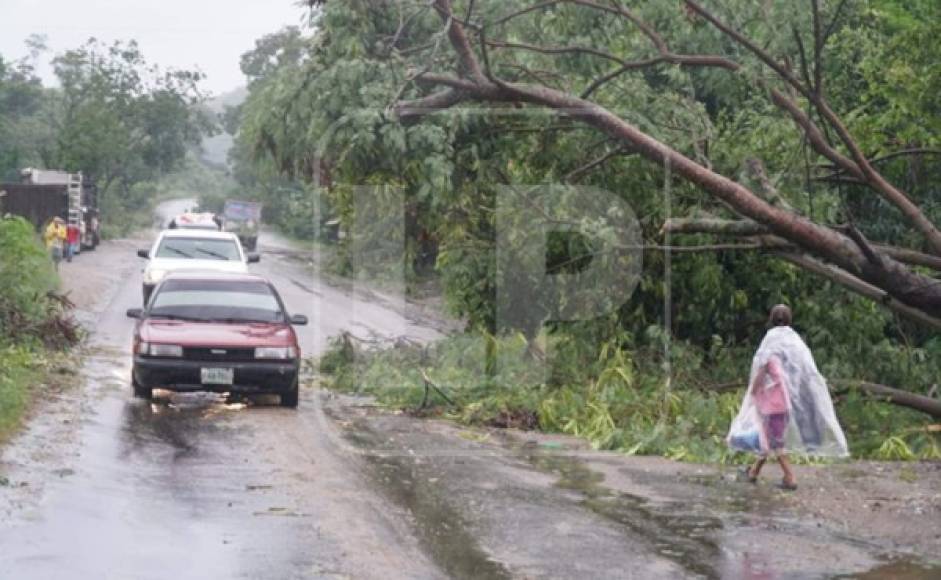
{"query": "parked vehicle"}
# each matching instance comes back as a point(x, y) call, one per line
point(216, 332)
point(193, 250)
point(44, 194)
point(196, 221)
point(243, 218)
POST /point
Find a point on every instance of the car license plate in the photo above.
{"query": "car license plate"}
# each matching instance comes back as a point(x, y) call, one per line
point(216, 376)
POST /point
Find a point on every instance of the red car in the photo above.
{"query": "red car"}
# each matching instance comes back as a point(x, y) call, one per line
point(216, 332)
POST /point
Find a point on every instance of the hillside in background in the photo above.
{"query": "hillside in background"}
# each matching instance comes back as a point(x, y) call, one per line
point(216, 148)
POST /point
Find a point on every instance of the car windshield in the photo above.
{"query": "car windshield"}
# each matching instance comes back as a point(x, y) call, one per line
point(198, 248)
point(216, 300)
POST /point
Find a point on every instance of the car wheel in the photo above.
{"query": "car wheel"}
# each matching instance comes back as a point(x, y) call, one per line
point(289, 398)
point(141, 392)
point(147, 292)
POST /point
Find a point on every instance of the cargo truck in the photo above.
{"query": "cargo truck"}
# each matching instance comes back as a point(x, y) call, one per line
point(243, 218)
point(44, 194)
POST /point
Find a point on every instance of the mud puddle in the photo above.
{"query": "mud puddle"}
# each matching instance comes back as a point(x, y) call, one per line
point(675, 534)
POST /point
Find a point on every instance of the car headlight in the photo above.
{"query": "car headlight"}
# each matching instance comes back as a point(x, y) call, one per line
point(278, 352)
point(154, 276)
point(167, 350)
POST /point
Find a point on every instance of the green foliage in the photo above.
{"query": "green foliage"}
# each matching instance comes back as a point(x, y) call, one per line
point(30, 317)
point(123, 120)
point(317, 123)
point(115, 117)
point(21, 100)
point(18, 369)
point(26, 276)
point(617, 399)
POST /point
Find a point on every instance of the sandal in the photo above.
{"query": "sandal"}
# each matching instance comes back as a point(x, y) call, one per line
point(787, 486)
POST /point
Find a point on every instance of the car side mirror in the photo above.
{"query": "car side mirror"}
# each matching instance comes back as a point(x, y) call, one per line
point(298, 319)
point(145, 254)
point(137, 313)
point(253, 258)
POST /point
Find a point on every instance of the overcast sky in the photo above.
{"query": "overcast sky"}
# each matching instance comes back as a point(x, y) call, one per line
point(209, 34)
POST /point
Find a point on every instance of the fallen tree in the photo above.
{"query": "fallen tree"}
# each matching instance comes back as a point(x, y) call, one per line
point(928, 405)
point(925, 404)
point(884, 273)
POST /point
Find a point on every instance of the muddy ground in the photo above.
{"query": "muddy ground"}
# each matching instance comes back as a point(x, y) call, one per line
point(100, 485)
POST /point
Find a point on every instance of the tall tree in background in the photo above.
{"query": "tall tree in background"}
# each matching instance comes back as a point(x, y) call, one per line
point(120, 119)
point(22, 133)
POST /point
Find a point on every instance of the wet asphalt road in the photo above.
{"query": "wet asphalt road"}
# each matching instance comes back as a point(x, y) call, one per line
point(102, 486)
point(195, 487)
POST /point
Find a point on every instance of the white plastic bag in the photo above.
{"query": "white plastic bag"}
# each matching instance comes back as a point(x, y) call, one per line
point(810, 426)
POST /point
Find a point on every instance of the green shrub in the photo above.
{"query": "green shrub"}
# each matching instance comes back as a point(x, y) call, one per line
point(26, 276)
point(18, 370)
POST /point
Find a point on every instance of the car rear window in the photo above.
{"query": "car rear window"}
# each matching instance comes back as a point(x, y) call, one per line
point(198, 248)
point(225, 300)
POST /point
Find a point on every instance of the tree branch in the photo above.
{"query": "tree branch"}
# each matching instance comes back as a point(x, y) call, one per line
point(414, 109)
point(908, 399)
point(859, 286)
point(578, 172)
point(538, 6)
point(468, 62)
point(747, 228)
point(873, 178)
point(819, 41)
point(918, 292)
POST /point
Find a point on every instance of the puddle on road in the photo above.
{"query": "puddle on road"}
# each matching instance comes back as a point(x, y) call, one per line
point(900, 570)
point(695, 541)
point(681, 537)
point(441, 529)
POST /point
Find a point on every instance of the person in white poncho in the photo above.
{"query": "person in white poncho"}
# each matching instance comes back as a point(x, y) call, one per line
point(787, 407)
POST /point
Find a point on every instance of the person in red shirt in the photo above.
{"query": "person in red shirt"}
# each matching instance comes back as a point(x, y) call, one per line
point(71, 241)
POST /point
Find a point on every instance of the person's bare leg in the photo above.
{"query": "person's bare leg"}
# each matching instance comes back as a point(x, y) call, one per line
point(786, 468)
point(755, 469)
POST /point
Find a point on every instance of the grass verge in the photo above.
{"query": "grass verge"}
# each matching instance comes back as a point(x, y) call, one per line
point(25, 372)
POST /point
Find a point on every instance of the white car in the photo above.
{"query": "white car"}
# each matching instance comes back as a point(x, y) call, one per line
point(193, 250)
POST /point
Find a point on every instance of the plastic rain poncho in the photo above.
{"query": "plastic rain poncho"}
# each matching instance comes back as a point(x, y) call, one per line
point(788, 381)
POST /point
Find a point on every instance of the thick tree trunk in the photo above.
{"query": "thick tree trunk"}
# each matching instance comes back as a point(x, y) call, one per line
point(904, 398)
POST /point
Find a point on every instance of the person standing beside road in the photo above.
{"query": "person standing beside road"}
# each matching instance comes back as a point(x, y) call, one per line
point(55, 236)
point(787, 406)
point(72, 240)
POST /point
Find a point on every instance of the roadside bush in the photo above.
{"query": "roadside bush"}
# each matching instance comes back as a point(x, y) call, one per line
point(30, 310)
point(26, 277)
point(32, 316)
point(18, 369)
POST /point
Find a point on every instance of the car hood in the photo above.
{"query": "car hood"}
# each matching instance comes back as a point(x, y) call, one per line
point(224, 334)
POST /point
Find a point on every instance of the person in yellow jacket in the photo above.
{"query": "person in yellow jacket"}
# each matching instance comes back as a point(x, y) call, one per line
point(55, 236)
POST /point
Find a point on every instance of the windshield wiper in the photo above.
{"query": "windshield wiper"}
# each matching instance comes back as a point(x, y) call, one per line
point(244, 320)
point(177, 317)
point(180, 252)
point(214, 254)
